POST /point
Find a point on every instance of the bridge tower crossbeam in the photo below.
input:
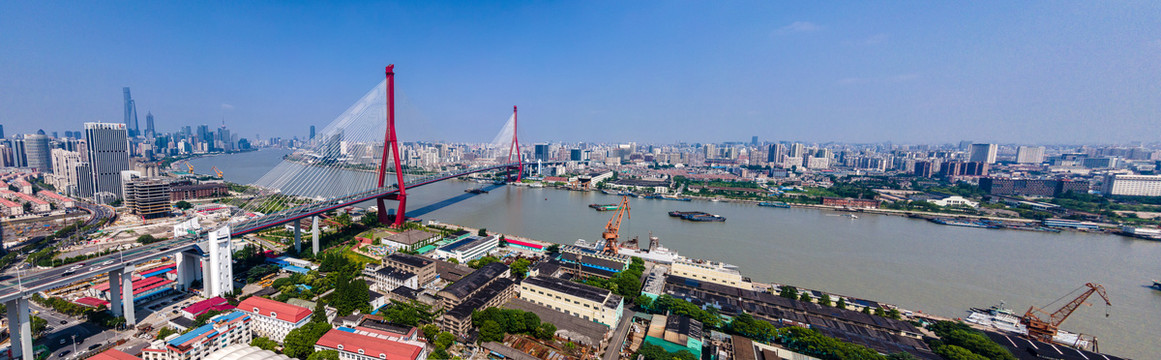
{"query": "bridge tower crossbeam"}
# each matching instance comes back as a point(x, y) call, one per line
point(391, 145)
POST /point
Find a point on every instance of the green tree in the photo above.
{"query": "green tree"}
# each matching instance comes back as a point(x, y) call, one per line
point(148, 239)
point(788, 292)
point(952, 352)
point(746, 325)
point(324, 355)
point(841, 304)
point(38, 326)
point(520, 267)
point(320, 312)
point(531, 321)
point(183, 205)
point(545, 331)
point(824, 300)
point(482, 232)
point(430, 331)
point(263, 343)
point(643, 301)
point(491, 331)
point(552, 249)
point(453, 261)
point(805, 296)
point(901, 356)
point(165, 332)
point(299, 343)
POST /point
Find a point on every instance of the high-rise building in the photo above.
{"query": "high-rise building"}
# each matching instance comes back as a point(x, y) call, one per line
point(776, 153)
point(130, 113)
point(965, 145)
point(711, 151)
point(150, 132)
point(1132, 185)
point(985, 153)
point(147, 197)
point(65, 167)
point(108, 146)
point(38, 153)
point(541, 152)
point(312, 132)
point(754, 140)
point(797, 150)
point(1, 131)
point(1029, 154)
point(19, 157)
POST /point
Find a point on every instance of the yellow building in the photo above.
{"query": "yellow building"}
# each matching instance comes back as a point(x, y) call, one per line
point(709, 271)
point(576, 299)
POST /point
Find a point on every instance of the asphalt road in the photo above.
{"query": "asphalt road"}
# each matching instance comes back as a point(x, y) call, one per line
point(59, 339)
point(613, 351)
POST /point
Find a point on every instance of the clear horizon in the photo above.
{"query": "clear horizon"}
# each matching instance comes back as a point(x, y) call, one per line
point(911, 73)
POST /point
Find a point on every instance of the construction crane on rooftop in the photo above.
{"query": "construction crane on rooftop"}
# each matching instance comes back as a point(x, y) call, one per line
point(1044, 329)
point(613, 228)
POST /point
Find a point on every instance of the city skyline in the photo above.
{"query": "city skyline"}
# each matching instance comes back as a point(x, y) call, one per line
point(1000, 73)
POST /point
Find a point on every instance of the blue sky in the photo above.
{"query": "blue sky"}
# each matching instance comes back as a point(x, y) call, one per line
point(661, 71)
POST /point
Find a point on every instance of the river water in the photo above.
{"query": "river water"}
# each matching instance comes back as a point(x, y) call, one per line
point(915, 264)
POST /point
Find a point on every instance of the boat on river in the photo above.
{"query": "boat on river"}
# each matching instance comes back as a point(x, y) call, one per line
point(775, 204)
point(1000, 318)
point(605, 207)
point(697, 216)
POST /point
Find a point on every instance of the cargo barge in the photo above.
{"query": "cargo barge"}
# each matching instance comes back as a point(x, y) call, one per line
point(605, 207)
point(964, 223)
point(697, 216)
point(775, 204)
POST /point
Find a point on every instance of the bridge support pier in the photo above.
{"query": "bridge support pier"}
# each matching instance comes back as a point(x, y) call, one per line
point(314, 235)
point(188, 269)
point(20, 328)
point(127, 296)
point(115, 292)
point(297, 236)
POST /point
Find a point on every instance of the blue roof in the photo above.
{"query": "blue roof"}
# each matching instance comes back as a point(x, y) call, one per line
point(191, 335)
point(456, 245)
point(151, 293)
point(158, 272)
point(344, 328)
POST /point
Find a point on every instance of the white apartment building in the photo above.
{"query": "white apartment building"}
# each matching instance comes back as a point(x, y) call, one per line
point(221, 331)
point(274, 319)
point(1132, 185)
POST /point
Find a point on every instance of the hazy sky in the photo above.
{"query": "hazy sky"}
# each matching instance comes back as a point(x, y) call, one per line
point(647, 71)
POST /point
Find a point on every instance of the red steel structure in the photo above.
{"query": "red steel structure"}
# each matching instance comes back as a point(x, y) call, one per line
point(390, 144)
point(516, 145)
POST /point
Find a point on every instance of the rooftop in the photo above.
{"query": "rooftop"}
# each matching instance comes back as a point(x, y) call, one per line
point(205, 305)
point(276, 309)
point(409, 260)
point(390, 272)
point(587, 292)
point(114, 354)
point(410, 237)
point(369, 346)
point(475, 280)
point(480, 298)
point(468, 243)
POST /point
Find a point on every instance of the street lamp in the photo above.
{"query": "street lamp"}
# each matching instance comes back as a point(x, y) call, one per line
point(74, 344)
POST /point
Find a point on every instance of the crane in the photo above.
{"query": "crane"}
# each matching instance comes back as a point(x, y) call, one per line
point(216, 171)
point(613, 228)
point(1044, 329)
point(190, 166)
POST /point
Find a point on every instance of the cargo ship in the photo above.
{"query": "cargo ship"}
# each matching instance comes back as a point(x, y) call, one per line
point(663, 197)
point(654, 252)
point(697, 216)
point(605, 207)
point(964, 223)
point(775, 204)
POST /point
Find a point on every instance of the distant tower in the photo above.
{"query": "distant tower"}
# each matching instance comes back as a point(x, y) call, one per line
point(312, 132)
point(149, 130)
point(1, 131)
point(37, 152)
point(130, 113)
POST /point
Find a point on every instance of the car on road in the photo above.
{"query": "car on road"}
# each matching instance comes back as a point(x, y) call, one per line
point(94, 346)
point(62, 322)
point(63, 353)
point(106, 262)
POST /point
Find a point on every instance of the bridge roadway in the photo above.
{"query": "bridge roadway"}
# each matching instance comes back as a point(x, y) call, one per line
point(12, 287)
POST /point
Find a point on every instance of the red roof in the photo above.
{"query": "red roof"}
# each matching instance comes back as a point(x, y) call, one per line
point(201, 307)
point(371, 346)
point(277, 309)
point(114, 354)
point(138, 283)
point(522, 243)
point(91, 301)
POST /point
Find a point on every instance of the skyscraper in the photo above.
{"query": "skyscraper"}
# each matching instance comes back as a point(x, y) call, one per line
point(149, 131)
point(37, 152)
point(985, 153)
point(108, 155)
point(775, 153)
point(130, 113)
point(19, 159)
point(754, 140)
point(541, 152)
point(1, 131)
point(312, 132)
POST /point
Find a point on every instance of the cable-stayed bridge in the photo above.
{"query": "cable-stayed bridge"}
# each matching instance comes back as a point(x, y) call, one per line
point(349, 145)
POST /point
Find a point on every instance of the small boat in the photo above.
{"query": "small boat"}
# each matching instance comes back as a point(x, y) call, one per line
point(605, 207)
point(1156, 285)
point(476, 191)
point(697, 216)
point(775, 204)
point(852, 216)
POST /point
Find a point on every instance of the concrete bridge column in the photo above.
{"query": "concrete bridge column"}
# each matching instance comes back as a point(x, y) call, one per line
point(115, 292)
point(314, 235)
point(127, 296)
point(20, 328)
point(297, 236)
point(187, 269)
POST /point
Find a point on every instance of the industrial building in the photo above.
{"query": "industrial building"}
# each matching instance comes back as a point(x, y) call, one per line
point(418, 265)
point(584, 301)
point(385, 278)
point(487, 286)
point(711, 271)
point(470, 248)
point(1132, 185)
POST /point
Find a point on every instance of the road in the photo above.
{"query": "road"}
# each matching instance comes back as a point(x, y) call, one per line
point(59, 339)
point(613, 350)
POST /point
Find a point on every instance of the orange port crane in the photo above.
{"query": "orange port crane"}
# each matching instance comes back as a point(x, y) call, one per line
point(613, 228)
point(188, 165)
point(218, 172)
point(1044, 329)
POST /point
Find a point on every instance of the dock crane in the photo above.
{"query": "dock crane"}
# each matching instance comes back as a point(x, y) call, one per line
point(216, 171)
point(1044, 329)
point(613, 228)
point(190, 166)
